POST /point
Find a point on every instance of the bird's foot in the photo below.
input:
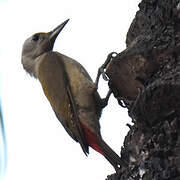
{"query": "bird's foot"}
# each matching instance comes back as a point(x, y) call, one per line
point(106, 99)
point(101, 70)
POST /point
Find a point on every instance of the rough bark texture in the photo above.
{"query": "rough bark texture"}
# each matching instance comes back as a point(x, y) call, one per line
point(146, 78)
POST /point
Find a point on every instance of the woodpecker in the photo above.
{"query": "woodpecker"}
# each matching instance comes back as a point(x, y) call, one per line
point(71, 92)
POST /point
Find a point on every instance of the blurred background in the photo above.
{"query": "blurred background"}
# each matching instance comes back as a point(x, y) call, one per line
point(3, 147)
point(37, 145)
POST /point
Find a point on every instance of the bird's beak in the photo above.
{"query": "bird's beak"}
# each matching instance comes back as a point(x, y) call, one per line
point(55, 32)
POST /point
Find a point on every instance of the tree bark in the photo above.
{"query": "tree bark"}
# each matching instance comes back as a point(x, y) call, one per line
point(146, 78)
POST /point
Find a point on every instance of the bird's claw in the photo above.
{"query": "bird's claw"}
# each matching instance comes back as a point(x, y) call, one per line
point(109, 58)
point(105, 77)
point(102, 72)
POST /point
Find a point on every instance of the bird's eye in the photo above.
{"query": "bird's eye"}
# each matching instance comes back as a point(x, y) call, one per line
point(35, 37)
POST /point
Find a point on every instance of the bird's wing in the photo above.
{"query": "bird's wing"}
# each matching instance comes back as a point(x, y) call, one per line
point(55, 83)
point(65, 125)
point(80, 134)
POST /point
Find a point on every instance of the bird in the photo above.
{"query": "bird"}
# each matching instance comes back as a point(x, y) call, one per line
point(71, 92)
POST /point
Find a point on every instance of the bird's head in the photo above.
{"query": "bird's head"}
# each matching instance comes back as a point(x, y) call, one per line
point(37, 45)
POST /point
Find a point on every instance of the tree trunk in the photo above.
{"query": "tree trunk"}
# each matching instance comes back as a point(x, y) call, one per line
point(146, 78)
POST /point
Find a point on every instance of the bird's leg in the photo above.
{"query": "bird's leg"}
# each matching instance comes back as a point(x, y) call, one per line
point(106, 99)
point(102, 72)
point(103, 67)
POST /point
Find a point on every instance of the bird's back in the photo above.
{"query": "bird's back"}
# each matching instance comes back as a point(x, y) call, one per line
point(84, 92)
point(56, 72)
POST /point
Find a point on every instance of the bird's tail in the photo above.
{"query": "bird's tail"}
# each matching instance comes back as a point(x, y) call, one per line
point(111, 156)
point(98, 144)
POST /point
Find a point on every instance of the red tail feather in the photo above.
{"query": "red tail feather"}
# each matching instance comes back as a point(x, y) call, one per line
point(92, 139)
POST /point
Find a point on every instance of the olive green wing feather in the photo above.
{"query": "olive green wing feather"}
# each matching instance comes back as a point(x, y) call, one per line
point(55, 83)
